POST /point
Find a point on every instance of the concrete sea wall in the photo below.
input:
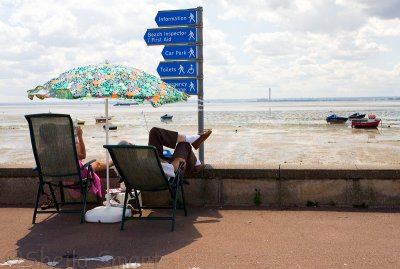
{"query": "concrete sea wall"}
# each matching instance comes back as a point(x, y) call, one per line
point(280, 185)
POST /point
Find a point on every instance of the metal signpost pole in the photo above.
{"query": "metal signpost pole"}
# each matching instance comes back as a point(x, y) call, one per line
point(200, 78)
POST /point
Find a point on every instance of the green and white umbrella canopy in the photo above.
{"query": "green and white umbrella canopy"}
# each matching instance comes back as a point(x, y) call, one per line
point(109, 81)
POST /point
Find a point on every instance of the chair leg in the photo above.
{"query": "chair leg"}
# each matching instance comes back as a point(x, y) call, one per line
point(138, 202)
point(86, 190)
point(54, 197)
point(183, 200)
point(174, 211)
point(62, 192)
point(124, 209)
point(175, 201)
point(39, 191)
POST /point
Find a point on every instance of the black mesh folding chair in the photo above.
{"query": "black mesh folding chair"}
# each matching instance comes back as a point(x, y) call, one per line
point(54, 149)
point(140, 169)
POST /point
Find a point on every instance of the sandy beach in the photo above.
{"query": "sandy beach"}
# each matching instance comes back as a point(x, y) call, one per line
point(243, 133)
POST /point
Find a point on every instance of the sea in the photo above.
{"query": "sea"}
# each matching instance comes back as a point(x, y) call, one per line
point(245, 132)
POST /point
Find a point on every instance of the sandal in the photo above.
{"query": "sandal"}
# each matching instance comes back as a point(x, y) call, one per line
point(49, 203)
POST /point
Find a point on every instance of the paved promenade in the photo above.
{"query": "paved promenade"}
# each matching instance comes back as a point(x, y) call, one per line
point(207, 238)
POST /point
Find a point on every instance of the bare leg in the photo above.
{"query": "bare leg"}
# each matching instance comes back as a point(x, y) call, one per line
point(181, 138)
point(183, 151)
point(98, 166)
point(176, 161)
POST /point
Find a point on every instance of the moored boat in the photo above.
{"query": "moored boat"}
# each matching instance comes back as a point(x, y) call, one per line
point(166, 117)
point(111, 127)
point(356, 116)
point(125, 103)
point(370, 122)
point(80, 122)
point(102, 119)
point(335, 119)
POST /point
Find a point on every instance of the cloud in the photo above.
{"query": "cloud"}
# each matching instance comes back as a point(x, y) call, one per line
point(75, 23)
point(218, 50)
point(41, 39)
point(324, 16)
point(376, 28)
point(346, 46)
point(384, 9)
point(271, 44)
point(254, 9)
point(299, 48)
point(298, 15)
point(339, 78)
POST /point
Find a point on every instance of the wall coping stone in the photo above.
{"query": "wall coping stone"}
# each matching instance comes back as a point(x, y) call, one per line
point(281, 172)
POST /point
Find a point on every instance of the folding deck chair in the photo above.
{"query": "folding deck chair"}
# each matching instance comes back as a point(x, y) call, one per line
point(54, 149)
point(140, 169)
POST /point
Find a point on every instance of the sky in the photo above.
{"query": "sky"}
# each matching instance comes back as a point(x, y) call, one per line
point(298, 48)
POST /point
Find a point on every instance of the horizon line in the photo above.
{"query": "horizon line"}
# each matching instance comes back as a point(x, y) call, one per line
point(112, 101)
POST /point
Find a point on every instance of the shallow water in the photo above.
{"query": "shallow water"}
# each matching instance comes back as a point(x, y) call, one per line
point(262, 133)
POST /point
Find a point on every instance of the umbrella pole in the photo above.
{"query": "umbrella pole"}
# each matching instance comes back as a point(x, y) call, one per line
point(106, 214)
point(108, 204)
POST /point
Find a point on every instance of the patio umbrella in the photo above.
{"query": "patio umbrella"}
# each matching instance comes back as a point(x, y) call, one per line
point(108, 81)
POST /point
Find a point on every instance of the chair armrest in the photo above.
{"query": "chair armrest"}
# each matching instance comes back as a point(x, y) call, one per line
point(179, 170)
point(178, 173)
point(176, 182)
point(88, 164)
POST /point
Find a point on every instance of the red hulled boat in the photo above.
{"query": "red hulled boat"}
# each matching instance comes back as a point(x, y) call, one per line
point(370, 122)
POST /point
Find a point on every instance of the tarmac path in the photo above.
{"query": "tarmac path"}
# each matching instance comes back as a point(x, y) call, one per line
point(207, 238)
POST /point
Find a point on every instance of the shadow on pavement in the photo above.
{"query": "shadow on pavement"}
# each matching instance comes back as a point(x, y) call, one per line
point(60, 240)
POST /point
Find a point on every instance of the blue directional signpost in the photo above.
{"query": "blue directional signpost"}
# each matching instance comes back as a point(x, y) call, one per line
point(177, 69)
point(181, 31)
point(162, 36)
point(179, 52)
point(184, 85)
point(169, 18)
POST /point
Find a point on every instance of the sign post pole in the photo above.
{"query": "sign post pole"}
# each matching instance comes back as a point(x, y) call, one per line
point(200, 102)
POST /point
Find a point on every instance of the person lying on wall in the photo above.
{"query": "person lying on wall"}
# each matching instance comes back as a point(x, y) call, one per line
point(182, 145)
